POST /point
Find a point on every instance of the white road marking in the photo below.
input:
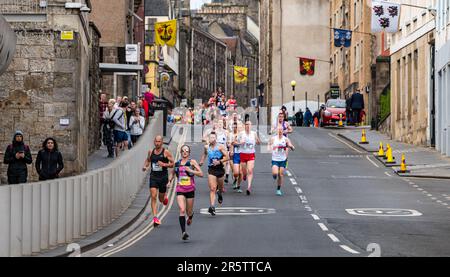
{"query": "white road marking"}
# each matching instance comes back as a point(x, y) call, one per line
point(348, 249)
point(288, 173)
point(293, 181)
point(433, 198)
point(299, 190)
point(425, 192)
point(420, 189)
point(439, 201)
point(323, 227)
point(333, 238)
point(388, 174)
point(382, 212)
point(430, 195)
point(372, 162)
point(344, 142)
point(315, 217)
point(416, 186)
point(445, 204)
point(411, 183)
point(445, 195)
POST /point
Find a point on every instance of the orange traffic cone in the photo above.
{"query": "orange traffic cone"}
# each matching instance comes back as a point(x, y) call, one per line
point(381, 151)
point(316, 122)
point(364, 138)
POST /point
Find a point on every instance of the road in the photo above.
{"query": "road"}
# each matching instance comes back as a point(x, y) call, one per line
point(324, 212)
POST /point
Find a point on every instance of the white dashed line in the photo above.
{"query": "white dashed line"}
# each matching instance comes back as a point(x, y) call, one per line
point(419, 189)
point(445, 204)
point(388, 174)
point(333, 238)
point(411, 183)
point(433, 198)
point(372, 162)
point(293, 181)
point(298, 190)
point(430, 195)
point(323, 227)
point(439, 201)
point(348, 249)
point(416, 186)
point(315, 217)
point(425, 192)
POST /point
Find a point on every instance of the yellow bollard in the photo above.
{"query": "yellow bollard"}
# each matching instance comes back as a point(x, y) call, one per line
point(390, 159)
point(364, 138)
point(403, 168)
point(386, 152)
point(341, 123)
point(381, 152)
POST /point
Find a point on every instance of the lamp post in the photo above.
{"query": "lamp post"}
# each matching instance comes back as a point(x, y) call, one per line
point(293, 85)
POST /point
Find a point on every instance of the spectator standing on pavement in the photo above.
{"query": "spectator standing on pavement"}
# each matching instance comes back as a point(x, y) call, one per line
point(120, 129)
point(357, 106)
point(142, 111)
point(118, 102)
point(108, 127)
point(299, 118)
point(137, 126)
point(348, 110)
point(49, 161)
point(102, 106)
point(308, 118)
point(17, 156)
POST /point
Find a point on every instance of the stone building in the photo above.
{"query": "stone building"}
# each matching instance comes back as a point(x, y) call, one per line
point(292, 29)
point(411, 79)
point(46, 91)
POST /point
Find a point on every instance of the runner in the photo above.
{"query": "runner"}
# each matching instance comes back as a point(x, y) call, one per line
point(222, 139)
point(185, 170)
point(287, 128)
point(231, 103)
point(160, 159)
point(235, 155)
point(217, 156)
point(248, 142)
point(279, 145)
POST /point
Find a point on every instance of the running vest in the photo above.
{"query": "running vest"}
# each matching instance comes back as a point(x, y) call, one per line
point(157, 171)
point(279, 149)
point(214, 154)
point(284, 128)
point(236, 148)
point(186, 181)
point(222, 139)
point(249, 143)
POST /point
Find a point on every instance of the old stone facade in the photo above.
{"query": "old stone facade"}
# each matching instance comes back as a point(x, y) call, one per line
point(48, 82)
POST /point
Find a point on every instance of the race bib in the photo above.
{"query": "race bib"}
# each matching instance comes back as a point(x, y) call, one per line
point(185, 181)
point(156, 167)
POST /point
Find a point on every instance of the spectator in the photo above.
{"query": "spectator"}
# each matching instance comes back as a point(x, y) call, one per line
point(127, 114)
point(49, 161)
point(137, 126)
point(17, 156)
point(348, 110)
point(118, 102)
point(141, 107)
point(108, 128)
point(308, 118)
point(102, 106)
point(299, 118)
point(120, 129)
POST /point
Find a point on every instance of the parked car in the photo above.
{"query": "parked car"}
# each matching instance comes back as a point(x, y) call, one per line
point(334, 108)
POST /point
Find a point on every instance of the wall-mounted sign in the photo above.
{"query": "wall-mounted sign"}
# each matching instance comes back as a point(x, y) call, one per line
point(131, 53)
point(64, 122)
point(335, 92)
point(66, 35)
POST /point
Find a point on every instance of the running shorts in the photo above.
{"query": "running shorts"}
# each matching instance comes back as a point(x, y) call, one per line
point(236, 158)
point(279, 164)
point(247, 157)
point(188, 195)
point(159, 183)
point(218, 171)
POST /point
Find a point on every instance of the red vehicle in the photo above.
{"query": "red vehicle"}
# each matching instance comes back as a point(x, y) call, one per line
point(333, 109)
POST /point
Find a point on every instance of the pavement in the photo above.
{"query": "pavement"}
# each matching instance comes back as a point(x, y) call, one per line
point(421, 161)
point(338, 202)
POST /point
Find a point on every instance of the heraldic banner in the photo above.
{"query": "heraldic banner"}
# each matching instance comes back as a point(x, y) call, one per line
point(166, 33)
point(385, 16)
point(342, 37)
point(240, 74)
point(307, 66)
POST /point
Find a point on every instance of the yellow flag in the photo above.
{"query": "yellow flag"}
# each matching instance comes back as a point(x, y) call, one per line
point(240, 74)
point(166, 33)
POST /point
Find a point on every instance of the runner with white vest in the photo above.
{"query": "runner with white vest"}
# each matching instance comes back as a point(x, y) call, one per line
point(279, 145)
point(248, 141)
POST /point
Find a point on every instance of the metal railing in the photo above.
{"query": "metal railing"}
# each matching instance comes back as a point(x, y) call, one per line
point(40, 216)
point(22, 7)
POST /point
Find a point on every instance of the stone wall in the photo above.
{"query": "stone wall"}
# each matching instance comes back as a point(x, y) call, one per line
point(95, 87)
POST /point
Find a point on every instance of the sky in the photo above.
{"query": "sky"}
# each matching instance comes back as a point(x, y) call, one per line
point(196, 4)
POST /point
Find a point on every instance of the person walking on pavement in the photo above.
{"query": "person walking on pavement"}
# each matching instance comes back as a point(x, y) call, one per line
point(49, 161)
point(249, 140)
point(160, 160)
point(17, 156)
point(137, 125)
point(279, 145)
point(217, 155)
point(185, 171)
point(357, 106)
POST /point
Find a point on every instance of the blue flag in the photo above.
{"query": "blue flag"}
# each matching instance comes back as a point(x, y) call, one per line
point(342, 37)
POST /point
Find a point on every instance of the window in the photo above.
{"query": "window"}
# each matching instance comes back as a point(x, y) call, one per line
point(354, 14)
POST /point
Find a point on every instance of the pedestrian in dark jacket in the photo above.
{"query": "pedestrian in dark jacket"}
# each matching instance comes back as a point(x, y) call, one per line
point(348, 110)
point(357, 106)
point(299, 118)
point(49, 162)
point(17, 156)
point(308, 118)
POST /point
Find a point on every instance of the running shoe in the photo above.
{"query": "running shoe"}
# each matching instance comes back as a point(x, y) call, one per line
point(248, 192)
point(156, 222)
point(226, 180)
point(189, 221)
point(166, 201)
point(220, 199)
point(235, 187)
point(212, 211)
point(279, 193)
point(239, 190)
point(185, 236)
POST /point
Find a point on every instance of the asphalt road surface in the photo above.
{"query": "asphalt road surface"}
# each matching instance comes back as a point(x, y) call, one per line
point(338, 202)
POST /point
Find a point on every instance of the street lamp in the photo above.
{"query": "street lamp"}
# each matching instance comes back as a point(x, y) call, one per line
point(293, 85)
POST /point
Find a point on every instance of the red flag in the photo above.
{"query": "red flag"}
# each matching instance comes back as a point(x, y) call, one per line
point(307, 66)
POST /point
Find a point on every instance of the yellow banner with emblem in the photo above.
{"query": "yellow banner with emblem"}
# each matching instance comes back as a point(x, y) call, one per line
point(240, 74)
point(166, 33)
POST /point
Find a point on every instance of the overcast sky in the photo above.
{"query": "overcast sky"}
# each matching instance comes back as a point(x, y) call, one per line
point(196, 4)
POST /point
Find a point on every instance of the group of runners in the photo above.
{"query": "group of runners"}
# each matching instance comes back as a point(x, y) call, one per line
point(230, 146)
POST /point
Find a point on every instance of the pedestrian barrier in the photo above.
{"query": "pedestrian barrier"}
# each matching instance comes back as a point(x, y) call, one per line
point(40, 216)
point(364, 138)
